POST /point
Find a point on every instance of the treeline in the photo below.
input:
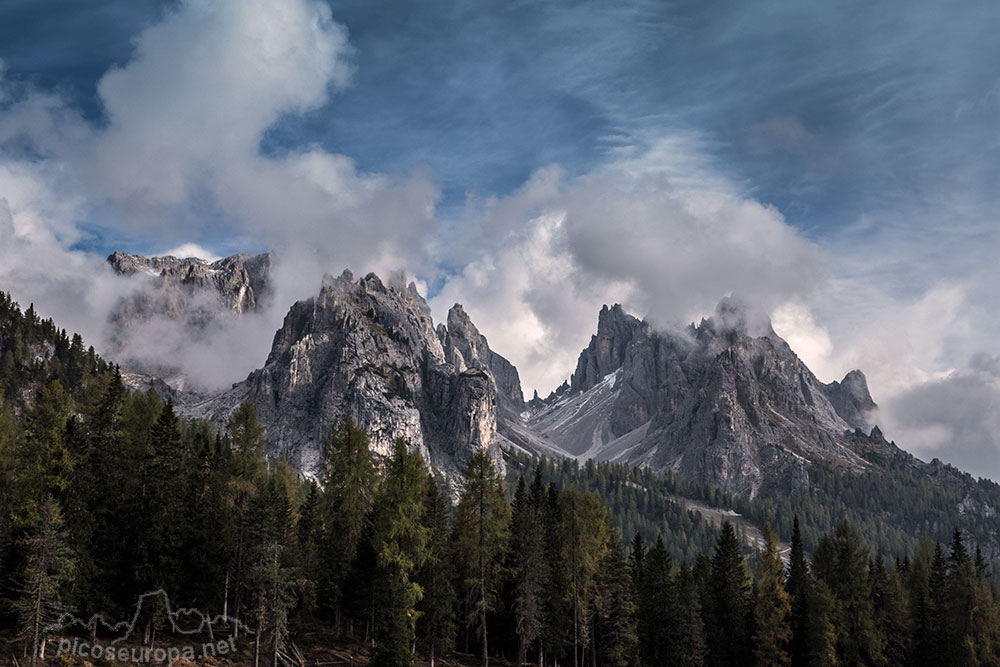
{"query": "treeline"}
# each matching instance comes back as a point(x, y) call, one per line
point(638, 500)
point(33, 350)
point(894, 505)
point(114, 496)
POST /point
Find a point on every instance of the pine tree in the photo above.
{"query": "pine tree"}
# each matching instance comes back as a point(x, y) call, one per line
point(730, 613)
point(482, 521)
point(436, 622)
point(798, 582)
point(530, 570)
point(247, 474)
point(889, 607)
point(841, 561)
point(350, 483)
point(48, 567)
point(690, 650)
point(400, 538)
point(772, 608)
point(657, 607)
point(617, 628)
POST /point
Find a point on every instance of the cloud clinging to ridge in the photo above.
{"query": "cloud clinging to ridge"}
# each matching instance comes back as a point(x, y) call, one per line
point(656, 225)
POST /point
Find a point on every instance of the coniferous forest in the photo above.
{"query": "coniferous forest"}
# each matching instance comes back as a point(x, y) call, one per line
point(106, 495)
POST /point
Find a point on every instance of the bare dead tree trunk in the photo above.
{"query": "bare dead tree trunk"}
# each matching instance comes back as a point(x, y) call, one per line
point(36, 625)
point(482, 611)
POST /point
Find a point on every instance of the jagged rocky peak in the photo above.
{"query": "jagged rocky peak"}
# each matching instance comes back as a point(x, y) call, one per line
point(465, 344)
point(369, 350)
point(725, 402)
point(616, 329)
point(852, 399)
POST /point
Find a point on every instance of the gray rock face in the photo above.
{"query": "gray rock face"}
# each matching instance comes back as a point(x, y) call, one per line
point(607, 349)
point(726, 402)
point(180, 287)
point(463, 343)
point(369, 351)
point(851, 399)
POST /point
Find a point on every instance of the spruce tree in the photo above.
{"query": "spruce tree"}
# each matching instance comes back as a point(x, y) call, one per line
point(636, 553)
point(436, 622)
point(798, 582)
point(555, 635)
point(168, 466)
point(690, 650)
point(44, 462)
point(399, 537)
point(731, 611)
point(821, 634)
point(530, 570)
point(350, 483)
point(308, 534)
point(657, 607)
point(617, 628)
point(961, 600)
point(841, 561)
point(275, 593)
point(939, 641)
point(246, 475)
point(482, 523)
point(889, 606)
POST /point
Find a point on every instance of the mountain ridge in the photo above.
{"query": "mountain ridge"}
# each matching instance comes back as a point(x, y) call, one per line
point(725, 402)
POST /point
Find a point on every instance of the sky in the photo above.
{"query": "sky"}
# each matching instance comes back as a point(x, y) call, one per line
point(836, 164)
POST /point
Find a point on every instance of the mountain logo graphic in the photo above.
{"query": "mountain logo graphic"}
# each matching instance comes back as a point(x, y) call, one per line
point(183, 621)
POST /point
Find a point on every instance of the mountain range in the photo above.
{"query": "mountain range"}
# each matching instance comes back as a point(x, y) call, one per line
point(725, 402)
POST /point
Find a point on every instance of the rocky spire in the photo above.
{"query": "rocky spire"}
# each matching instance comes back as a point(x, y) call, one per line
point(615, 331)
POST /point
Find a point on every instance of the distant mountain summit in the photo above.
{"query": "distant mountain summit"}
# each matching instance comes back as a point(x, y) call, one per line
point(725, 402)
point(198, 294)
point(177, 286)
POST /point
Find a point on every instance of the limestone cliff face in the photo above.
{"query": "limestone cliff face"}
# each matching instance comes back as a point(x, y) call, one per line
point(369, 351)
point(465, 345)
point(180, 287)
point(726, 402)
